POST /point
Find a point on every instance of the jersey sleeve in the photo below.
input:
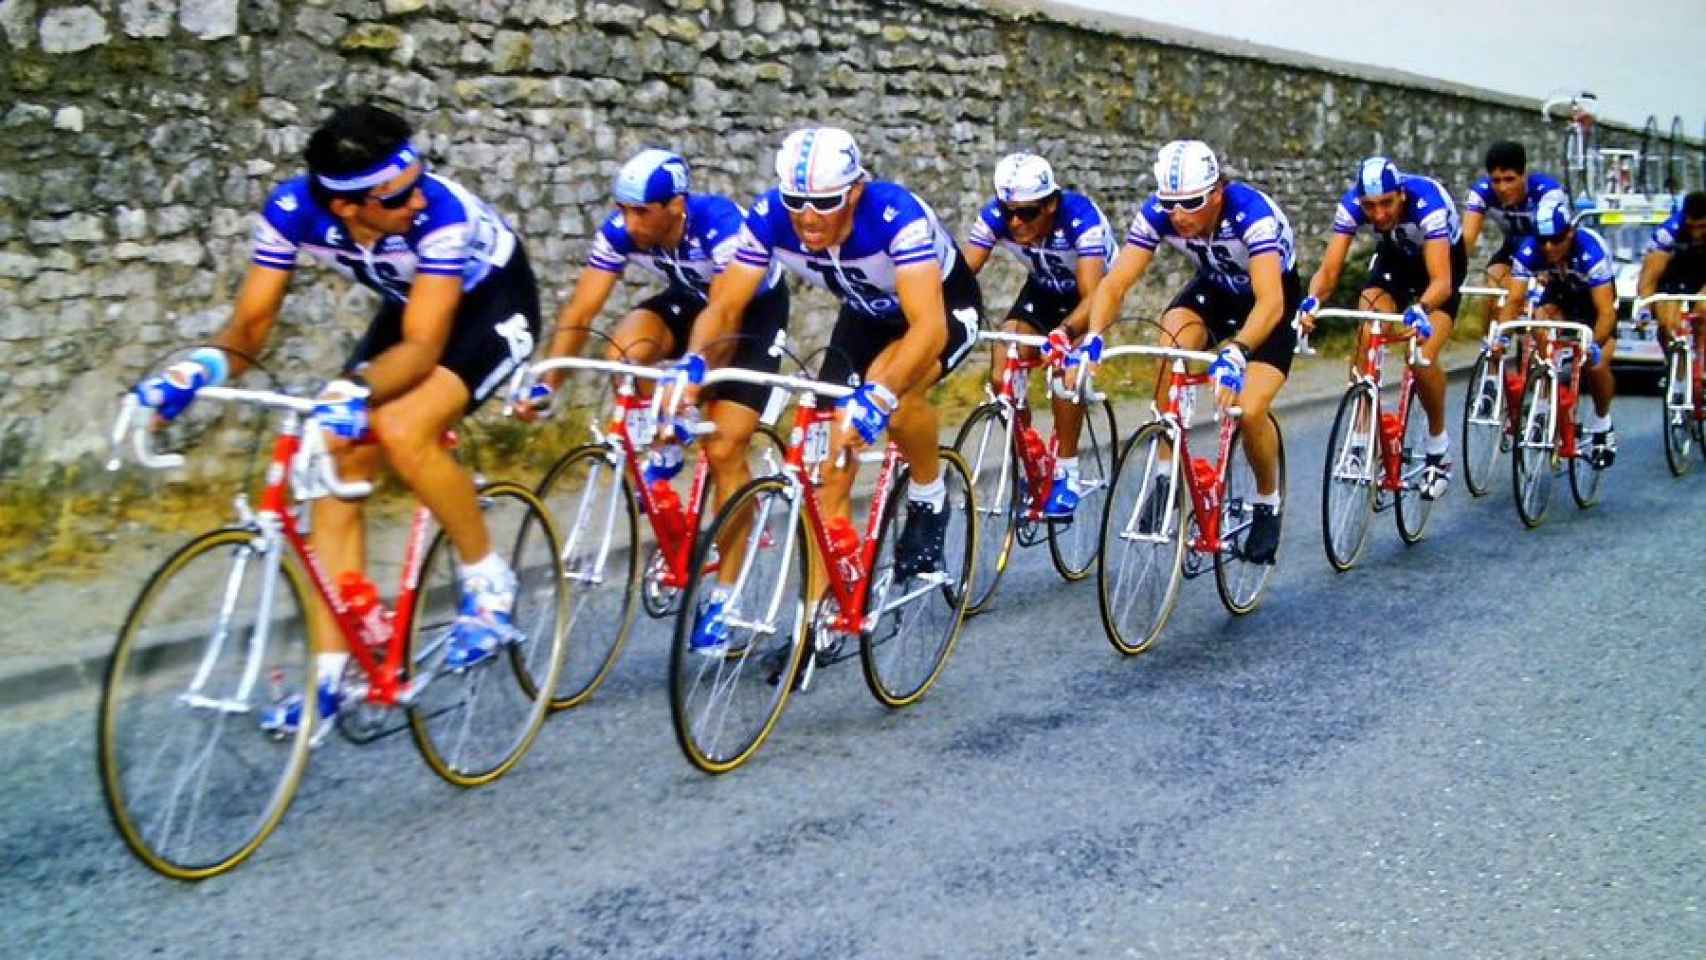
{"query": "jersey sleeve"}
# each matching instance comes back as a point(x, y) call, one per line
point(1347, 217)
point(1261, 228)
point(274, 240)
point(1599, 270)
point(1089, 230)
point(1148, 227)
point(722, 236)
point(445, 238)
point(987, 229)
point(1480, 196)
point(610, 246)
point(1664, 238)
point(1525, 262)
point(914, 238)
point(756, 239)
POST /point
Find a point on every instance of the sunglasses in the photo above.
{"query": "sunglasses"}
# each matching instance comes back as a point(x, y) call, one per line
point(1022, 214)
point(822, 203)
point(1556, 239)
point(401, 198)
point(1187, 204)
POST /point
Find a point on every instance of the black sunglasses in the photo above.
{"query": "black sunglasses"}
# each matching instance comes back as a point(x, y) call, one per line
point(1187, 204)
point(401, 198)
point(1024, 214)
point(822, 203)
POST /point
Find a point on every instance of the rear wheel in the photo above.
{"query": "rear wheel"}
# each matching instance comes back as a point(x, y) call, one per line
point(1483, 425)
point(986, 447)
point(1240, 580)
point(1141, 554)
point(1349, 479)
point(1411, 509)
point(1679, 422)
point(1531, 455)
point(1072, 546)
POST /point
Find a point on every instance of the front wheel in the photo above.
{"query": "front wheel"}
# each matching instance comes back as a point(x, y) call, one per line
point(473, 725)
point(1679, 423)
point(1585, 477)
point(1072, 546)
point(915, 620)
point(985, 444)
point(191, 782)
point(1531, 456)
point(1141, 554)
point(1483, 424)
point(1239, 579)
point(1410, 508)
point(1350, 478)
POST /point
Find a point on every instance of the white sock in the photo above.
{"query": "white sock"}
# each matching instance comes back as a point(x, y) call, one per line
point(1268, 499)
point(1595, 423)
point(1164, 468)
point(492, 573)
point(331, 668)
point(934, 493)
point(1438, 444)
point(1066, 467)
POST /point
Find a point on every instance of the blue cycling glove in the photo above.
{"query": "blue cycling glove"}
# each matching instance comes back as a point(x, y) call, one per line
point(1416, 318)
point(869, 409)
point(692, 367)
point(341, 409)
point(170, 392)
point(1090, 351)
point(1227, 370)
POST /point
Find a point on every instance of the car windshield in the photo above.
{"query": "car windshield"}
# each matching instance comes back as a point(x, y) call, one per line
point(1625, 231)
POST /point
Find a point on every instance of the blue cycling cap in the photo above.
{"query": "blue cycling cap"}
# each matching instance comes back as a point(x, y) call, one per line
point(1377, 175)
point(1552, 217)
point(652, 176)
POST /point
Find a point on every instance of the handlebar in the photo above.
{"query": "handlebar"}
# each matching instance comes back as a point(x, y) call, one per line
point(1160, 353)
point(785, 382)
point(1497, 293)
point(1379, 318)
point(1668, 298)
point(1579, 330)
point(1022, 339)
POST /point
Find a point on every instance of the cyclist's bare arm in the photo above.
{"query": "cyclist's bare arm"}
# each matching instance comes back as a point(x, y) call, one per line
point(731, 291)
point(976, 256)
point(919, 287)
point(1091, 270)
point(1436, 254)
point(1516, 297)
point(1129, 268)
point(1605, 314)
point(1326, 278)
point(1267, 282)
point(1473, 221)
point(427, 319)
point(1653, 267)
point(574, 321)
point(253, 315)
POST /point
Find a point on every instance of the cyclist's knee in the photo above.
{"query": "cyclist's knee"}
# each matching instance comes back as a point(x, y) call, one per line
point(726, 450)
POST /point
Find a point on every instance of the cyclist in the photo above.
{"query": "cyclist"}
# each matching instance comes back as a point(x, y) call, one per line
point(688, 239)
point(1419, 262)
point(1675, 262)
point(459, 310)
point(910, 312)
point(1245, 286)
point(1576, 267)
point(1507, 195)
point(1065, 243)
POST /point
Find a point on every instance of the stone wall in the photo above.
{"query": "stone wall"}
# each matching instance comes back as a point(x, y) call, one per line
point(138, 137)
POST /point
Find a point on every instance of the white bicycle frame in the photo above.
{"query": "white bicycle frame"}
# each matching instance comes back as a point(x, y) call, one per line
point(1685, 402)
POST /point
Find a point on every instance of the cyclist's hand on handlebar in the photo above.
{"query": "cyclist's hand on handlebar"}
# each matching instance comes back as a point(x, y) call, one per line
point(1059, 345)
point(868, 410)
point(1227, 372)
point(535, 403)
point(1416, 318)
point(341, 409)
point(170, 392)
point(1594, 353)
point(1305, 318)
point(1088, 352)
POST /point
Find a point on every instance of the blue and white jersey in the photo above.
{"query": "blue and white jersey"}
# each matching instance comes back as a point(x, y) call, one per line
point(1587, 266)
point(1517, 221)
point(1428, 214)
point(1080, 231)
point(708, 242)
point(1251, 224)
point(456, 235)
point(892, 228)
point(1671, 236)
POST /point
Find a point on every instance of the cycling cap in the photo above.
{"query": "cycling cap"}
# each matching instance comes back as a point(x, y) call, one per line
point(1552, 217)
point(1022, 177)
point(652, 176)
point(1185, 168)
point(820, 160)
point(1378, 175)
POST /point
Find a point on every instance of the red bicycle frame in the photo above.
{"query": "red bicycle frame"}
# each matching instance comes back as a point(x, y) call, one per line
point(1391, 424)
point(677, 550)
point(1203, 477)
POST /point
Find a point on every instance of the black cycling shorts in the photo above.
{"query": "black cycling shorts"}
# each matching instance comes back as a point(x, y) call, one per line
point(858, 338)
point(1224, 312)
point(763, 318)
point(1574, 301)
point(1686, 272)
point(1042, 308)
point(496, 327)
point(1507, 250)
point(1405, 276)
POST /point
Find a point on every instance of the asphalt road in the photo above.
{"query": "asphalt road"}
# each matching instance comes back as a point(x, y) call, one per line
point(1491, 744)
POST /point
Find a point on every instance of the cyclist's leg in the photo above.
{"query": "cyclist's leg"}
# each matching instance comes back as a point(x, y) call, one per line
point(1262, 381)
point(1024, 317)
point(1184, 326)
point(1499, 266)
point(1430, 380)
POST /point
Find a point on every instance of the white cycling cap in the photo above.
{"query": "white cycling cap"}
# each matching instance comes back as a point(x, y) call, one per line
point(1023, 177)
point(818, 160)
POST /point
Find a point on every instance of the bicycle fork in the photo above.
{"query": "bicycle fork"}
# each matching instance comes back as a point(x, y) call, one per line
point(238, 702)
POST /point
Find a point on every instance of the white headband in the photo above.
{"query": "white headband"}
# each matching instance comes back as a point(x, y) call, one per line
point(388, 169)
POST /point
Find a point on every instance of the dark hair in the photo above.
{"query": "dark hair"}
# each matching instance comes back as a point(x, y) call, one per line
point(351, 140)
point(1694, 205)
point(1507, 155)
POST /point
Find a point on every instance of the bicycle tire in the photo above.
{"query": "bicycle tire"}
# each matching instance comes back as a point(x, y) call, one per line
point(1239, 581)
point(1531, 454)
point(771, 668)
point(1483, 425)
point(1585, 478)
point(911, 638)
point(1348, 483)
point(1572, 178)
point(984, 436)
point(1073, 546)
point(1410, 510)
point(518, 684)
point(1137, 461)
point(157, 649)
point(602, 602)
point(1679, 424)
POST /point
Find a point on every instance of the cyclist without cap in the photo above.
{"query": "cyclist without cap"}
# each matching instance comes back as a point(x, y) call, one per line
point(1065, 243)
point(688, 239)
point(1419, 264)
point(1576, 266)
point(1508, 196)
point(1245, 286)
point(910, 312)
point(459, 311)
point(1675, 262)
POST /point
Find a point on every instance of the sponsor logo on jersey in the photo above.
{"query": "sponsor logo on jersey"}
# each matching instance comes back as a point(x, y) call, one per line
point(286, 202)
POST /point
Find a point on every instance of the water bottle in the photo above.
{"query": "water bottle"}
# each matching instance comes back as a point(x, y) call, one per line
point(844, 548)
point(670, 519)
point(361, 598)
point(1391, 434)
point(1037, 476)
point(663, 463)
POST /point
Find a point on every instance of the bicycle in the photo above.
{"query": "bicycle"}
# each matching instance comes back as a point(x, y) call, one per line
point(597, 488)
point(1494, 394)
point(225, 619)
point(724, 703)
point(1364, 434)
point(1579, 146)
point(1012, 469)
point(1547, 438)
point(1163, 539)
point(1684, 408)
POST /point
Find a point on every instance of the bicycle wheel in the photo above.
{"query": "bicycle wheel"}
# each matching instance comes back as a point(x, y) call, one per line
point(473, 726)
point(592, 503)
point(1073, 546)
point(192, 784)
point(916, 622)
point(1139, 564)
point(1571, 157)
point(987, 449)
point(723, 706)
point(1531, 456)
point(1585, 478)
point(1240, 581)
point(1679, 424)
point(1483, 425)
point(1410, 508)
point(1350, 479)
